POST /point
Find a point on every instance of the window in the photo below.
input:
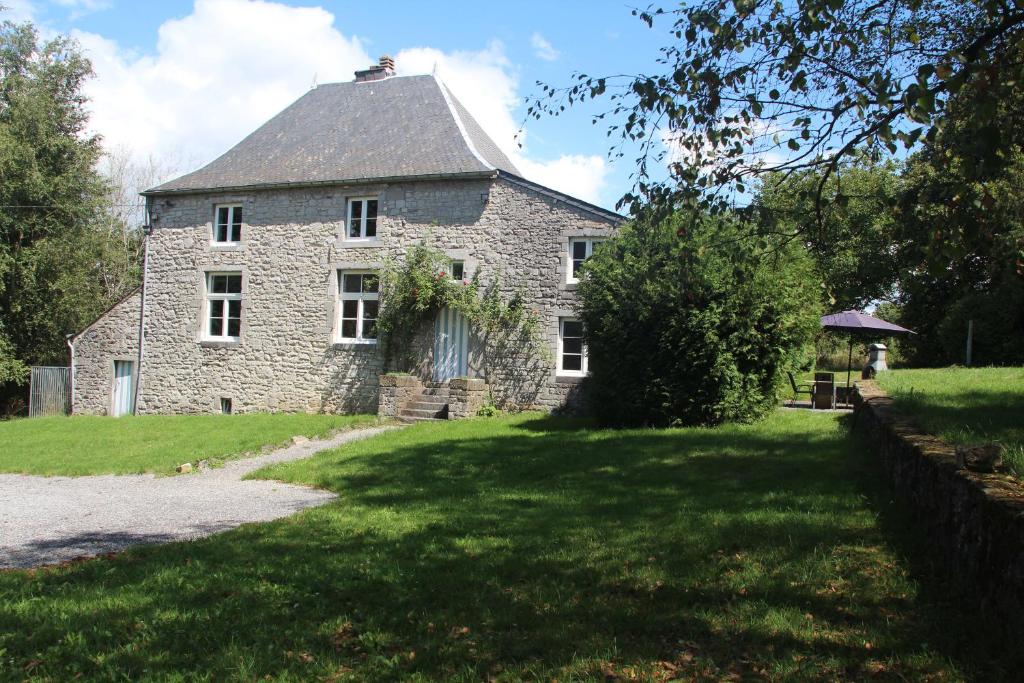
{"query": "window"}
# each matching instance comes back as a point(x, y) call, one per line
point(225, 406)
point(228, 226)
point(223, 306)
point(359, 293)
point(572, 351)
point(362, 218)
point(579, 251)
point(458, 270)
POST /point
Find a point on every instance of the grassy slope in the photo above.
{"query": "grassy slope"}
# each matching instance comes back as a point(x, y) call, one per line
point(154, 443)
point(965, 405)
point(526, 547)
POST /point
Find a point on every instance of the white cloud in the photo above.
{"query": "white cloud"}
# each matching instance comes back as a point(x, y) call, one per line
point(18, 11)
point(79, 8)
point(487, 84)
point(223, 70)
point(216, 76)
point(543, 48)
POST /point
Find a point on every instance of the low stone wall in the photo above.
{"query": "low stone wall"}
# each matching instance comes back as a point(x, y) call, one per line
point(975, 521)
point(465, 397)
point(395, 392)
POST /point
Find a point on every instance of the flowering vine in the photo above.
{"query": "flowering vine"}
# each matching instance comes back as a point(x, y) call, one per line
point(415, 288)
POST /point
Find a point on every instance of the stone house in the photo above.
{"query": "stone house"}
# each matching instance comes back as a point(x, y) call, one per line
point(259, 291)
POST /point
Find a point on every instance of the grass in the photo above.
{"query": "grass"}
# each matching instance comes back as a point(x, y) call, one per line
point(153, 443)
point(533, 548)
point(965, 405)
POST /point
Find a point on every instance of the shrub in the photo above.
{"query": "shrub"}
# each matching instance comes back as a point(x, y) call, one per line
point(690, 321)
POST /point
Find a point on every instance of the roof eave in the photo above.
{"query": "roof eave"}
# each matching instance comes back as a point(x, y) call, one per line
point(463, 175)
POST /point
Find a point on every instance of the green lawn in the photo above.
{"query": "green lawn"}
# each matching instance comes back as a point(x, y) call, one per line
point(531, 548)
point(152, 443)
point(965, 405)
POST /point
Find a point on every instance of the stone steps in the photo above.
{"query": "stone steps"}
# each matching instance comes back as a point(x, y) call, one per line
point(430, 404)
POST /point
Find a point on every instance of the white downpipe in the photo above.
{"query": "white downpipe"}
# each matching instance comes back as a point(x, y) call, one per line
point(69, 339)
point(142, 314)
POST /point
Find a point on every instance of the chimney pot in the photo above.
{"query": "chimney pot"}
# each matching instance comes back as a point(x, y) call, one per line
point(384, 68)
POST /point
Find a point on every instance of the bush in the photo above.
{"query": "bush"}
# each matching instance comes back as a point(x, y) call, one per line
point(692, 322)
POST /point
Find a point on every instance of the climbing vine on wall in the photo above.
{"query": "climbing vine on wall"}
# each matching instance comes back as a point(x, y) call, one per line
point(415, 288)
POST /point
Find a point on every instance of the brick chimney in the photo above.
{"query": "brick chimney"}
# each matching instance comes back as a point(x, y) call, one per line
point(383, 69)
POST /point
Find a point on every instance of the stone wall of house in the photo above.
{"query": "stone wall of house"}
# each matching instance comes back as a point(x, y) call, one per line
point(114, 336)
point(293, 244)
point(974, 521)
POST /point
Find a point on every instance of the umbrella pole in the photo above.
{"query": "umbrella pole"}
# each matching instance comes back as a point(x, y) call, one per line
point(849, 365)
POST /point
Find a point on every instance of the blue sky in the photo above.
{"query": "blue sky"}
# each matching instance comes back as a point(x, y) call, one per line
point(181, 81)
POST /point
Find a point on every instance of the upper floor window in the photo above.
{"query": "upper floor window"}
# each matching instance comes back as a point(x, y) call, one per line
point(228, 226)
point(359, 293)
point(579, 251)
point(223, 306)
point(572, 350)
point(458, 270)
point(362, 218)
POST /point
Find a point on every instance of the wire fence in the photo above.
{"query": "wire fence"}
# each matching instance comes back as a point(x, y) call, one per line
point(50, 392)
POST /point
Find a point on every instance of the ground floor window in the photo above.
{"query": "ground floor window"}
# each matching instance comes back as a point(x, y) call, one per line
point(358, 295)
point(572, 351)
point(223, 306)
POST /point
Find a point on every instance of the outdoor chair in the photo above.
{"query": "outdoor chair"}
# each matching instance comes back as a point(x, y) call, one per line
point(800, 388)
point(824, 390)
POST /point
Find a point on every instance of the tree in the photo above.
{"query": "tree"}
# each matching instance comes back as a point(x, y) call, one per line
point(55, 220)
point(961, 230)
point(855, 244)
point(752, 87)
point(691, 321)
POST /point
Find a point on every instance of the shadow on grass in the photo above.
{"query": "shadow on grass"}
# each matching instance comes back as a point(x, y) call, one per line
point(547, 550)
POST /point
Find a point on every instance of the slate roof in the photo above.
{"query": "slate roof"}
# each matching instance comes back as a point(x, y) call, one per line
point(404, 126)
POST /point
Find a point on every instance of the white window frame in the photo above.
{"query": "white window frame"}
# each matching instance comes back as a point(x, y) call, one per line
point(226, 297)
point(590, 242)
point(584, 364)
point(360, 298)
point(451, 270)
point(232, 208)
point(362, 237)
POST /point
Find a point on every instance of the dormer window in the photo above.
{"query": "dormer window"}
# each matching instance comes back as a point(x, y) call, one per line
point(362, 218)
point(227, 228)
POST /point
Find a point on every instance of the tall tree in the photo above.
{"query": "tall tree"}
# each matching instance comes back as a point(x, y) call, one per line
point(855, 244)
point(51, 197)
point(962, 222)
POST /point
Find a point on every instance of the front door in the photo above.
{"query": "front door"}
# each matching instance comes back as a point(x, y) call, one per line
point(123, 387)
point(451, 344)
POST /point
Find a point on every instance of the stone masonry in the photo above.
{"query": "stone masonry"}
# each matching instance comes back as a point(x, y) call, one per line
point(114, 336)
point(293, 245)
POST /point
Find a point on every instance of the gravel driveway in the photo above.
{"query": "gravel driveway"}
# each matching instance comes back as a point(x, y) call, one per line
point(46, 520)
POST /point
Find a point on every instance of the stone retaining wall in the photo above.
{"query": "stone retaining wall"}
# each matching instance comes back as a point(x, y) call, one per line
point(974, 521)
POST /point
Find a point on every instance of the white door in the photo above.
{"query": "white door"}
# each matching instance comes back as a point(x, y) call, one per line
point(451, 344)
point(123, 387)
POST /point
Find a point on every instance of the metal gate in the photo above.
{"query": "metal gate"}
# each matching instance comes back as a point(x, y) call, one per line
point(50, 392)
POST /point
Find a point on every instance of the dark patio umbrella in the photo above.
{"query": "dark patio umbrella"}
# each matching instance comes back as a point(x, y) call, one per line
point(857, 323)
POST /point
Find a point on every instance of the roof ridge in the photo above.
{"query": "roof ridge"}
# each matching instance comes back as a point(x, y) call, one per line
point(459, 123)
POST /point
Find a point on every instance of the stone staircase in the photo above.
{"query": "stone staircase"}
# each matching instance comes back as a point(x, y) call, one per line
point(430, 404)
